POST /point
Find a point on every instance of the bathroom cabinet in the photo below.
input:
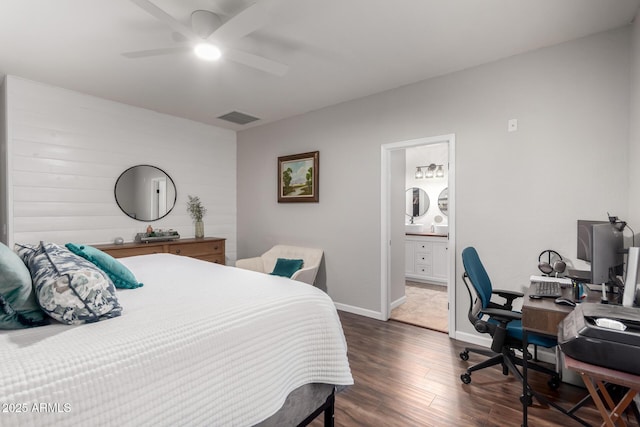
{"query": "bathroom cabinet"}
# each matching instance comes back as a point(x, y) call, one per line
point(426, 258)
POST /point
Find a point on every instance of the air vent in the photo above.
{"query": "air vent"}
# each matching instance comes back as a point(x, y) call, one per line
point(238, 118)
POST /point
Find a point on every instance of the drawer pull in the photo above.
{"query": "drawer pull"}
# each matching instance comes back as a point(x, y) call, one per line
point(177, 251)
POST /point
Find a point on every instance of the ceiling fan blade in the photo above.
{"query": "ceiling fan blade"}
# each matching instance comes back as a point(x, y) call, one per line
point(245, 22)
point(257, 62)
point(156, 52)
point(163, 16)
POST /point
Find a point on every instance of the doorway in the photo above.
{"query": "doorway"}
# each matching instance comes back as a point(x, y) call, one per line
point(392, 224)
point(158, 197)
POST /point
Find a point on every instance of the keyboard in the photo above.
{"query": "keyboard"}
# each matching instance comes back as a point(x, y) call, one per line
point(547, 289)
point(564, 281)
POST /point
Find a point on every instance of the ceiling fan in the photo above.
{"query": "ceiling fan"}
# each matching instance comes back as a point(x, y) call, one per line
point(210, 38)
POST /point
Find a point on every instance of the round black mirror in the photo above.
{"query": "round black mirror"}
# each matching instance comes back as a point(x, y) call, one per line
point(145, 193)
point(443, 201)
point(417, 202)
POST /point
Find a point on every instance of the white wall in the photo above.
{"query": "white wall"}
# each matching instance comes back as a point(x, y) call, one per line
point(517, 193)
point(67, 149)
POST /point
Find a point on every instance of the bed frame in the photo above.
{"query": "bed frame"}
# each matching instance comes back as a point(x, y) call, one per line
point(303, 405)
point(328, 407)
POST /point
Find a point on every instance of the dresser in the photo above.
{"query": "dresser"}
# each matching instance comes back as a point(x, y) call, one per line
point(426, 258)
point(207, 249)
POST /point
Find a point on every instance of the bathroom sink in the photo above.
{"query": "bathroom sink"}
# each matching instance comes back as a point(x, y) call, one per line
point(413, 228)
point(440, 229)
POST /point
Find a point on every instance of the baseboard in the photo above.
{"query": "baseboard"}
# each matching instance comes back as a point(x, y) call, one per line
point(430, 281)
point(359, 311)
point(398, 302)
point(480, 340)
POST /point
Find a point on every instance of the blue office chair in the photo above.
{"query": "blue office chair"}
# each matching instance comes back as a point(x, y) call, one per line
point(500, 321)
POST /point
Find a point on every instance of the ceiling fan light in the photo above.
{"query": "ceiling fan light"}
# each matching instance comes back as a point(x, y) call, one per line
point(207, 51)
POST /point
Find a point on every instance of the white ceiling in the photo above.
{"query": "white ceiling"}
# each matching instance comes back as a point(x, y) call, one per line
point(337, 50)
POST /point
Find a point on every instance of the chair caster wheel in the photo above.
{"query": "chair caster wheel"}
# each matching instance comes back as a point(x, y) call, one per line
point(464, 355)
point(528, 399)
point(554, 383)
point(466, 378)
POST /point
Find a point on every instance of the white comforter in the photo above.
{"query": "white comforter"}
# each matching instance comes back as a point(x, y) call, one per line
point(199, 344)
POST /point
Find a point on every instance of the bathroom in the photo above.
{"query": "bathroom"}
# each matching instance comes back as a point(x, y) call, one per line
point(426, 238)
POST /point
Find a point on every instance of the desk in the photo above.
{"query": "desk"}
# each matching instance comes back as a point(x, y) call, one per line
point(542, 316)
point(595, 376)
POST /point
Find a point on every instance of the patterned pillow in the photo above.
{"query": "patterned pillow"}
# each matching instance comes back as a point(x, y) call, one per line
point(69, 288)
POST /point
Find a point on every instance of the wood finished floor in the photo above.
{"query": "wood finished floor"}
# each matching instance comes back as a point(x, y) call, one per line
point(410, 376)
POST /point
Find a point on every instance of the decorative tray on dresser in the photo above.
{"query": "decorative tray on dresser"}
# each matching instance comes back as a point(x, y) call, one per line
point(207, 249)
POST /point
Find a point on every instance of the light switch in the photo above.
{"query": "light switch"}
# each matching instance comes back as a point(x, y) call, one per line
point(512, 125)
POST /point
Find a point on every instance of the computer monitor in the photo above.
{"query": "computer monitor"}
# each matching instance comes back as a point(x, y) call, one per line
point(607, 254)
point(584, 238)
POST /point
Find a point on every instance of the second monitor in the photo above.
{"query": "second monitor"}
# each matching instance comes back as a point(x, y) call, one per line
point(602, 245)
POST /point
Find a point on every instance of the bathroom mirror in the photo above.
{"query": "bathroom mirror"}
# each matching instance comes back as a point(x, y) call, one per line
point(145, 193)
point(417, 202)
point(443, 201)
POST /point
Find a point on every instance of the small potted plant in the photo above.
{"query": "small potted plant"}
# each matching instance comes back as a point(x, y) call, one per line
point(197, 211)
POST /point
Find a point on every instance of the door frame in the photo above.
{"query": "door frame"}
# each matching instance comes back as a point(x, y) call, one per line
point(385, 222)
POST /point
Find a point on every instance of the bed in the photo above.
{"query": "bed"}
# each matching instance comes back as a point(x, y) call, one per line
point(198, 344)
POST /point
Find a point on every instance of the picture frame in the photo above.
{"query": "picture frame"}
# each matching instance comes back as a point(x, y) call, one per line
point(298, 178)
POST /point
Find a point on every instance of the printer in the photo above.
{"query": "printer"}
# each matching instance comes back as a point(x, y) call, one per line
point(603, 334)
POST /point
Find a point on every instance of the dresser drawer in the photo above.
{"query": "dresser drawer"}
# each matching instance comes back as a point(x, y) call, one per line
point(424, 247)
point(423, 258)
point(138, 250)
point(423, 269)
point(217, 258)
point(197, 249)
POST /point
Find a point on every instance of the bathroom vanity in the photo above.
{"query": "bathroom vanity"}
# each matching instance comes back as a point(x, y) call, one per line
point(426, 257)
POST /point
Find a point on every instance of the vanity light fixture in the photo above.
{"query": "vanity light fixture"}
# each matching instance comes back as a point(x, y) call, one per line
point(432, 171)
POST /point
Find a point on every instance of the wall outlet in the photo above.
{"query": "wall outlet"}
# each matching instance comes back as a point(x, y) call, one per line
point(512, 125)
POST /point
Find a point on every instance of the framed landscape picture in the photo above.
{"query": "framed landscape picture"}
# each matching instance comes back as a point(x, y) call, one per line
point(298, 177)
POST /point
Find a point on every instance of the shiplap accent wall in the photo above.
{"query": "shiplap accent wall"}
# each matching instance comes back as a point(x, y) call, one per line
point(67, 149)
point(3, 161)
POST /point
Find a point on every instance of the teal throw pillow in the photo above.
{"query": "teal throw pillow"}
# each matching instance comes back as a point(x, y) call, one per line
point(120, 275)
point(18, 305)
point(286, 267)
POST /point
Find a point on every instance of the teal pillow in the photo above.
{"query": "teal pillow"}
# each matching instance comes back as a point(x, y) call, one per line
point(286, 267)
point(120, 275)
point(18, 305)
